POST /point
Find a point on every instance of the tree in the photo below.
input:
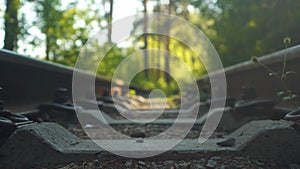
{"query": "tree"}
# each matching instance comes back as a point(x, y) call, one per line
point(109, 19)
point(11, 24)
point(254, 27)
point(65, 29)
point(145, 37)
point(48, 21)
point(157, 8)
point(167, 45)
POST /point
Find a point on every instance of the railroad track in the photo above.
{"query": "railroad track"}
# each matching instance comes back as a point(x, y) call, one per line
point(50, 134)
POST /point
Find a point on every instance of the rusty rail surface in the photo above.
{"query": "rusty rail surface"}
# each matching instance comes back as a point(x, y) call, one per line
point(28, 82)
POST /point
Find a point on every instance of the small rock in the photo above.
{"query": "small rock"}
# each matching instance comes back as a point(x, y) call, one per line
point(183, 164)
point(211, 163)
point(128, 163)
point(135, 165)
point(142, 167)
point(223, 167)
point(96, 162)
point(141, 163)
point(239, 158)
point(232, 166)
point(202, 160)
point(168, 163)
point(227, 142)
point(176, 165)
point(139, 140)
point(216, 158)
point(153, 165)
point(195, 166)
point(258, 162)
point(294, 166)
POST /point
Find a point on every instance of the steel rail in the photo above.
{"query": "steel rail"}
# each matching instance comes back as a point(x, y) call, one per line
point(28, 81)
point(249, 73)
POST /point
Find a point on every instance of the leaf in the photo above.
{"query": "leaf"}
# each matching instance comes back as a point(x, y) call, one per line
point(254, 59)
point(290, 72)
point(287, 98)
point(287, 40)
point(281, 93)
point(294, 96)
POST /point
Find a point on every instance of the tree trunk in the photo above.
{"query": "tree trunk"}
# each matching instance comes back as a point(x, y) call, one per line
point(158, 42)
point(167, 57)
point(185, 11)
point(145, 39)
point(11, 24)
point(158, 55)
point(47, 6)
point(48, 46)
point(109, 19)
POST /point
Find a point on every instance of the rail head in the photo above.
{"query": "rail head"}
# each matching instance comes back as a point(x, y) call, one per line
point(269, 59)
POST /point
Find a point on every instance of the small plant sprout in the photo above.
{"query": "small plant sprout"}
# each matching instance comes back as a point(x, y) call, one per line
point(285, 95)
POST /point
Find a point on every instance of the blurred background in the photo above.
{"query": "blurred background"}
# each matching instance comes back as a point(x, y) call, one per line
point(55, 30)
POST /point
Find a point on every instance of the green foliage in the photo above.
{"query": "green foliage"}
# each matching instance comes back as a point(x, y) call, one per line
point(66, 30)
point(253, 27)
point(111, 60)
point(132, 92)
point(153, 83)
